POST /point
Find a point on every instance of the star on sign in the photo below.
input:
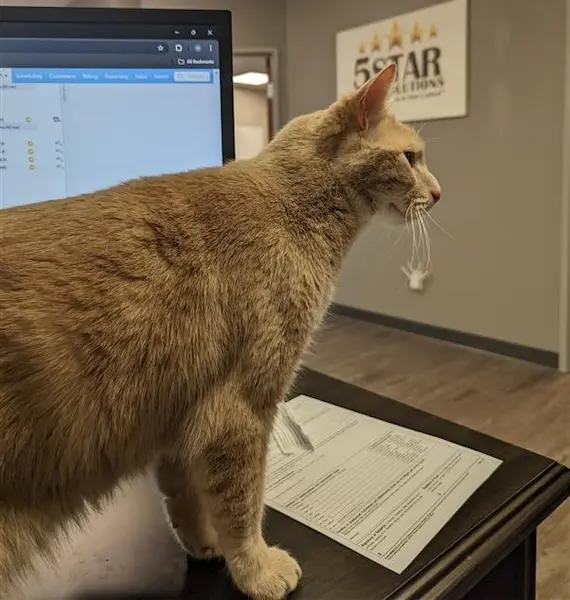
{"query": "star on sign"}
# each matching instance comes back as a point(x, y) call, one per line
point(417, 33)
point(376, 44)
point(395, 38)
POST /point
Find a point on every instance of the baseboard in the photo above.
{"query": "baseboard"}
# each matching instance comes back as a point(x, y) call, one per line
point(534, 355)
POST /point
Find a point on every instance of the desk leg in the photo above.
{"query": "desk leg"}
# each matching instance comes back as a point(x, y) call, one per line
point(528, 562)
point(514, 578)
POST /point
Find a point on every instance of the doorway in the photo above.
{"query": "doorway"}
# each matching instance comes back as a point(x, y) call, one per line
point(255, 104)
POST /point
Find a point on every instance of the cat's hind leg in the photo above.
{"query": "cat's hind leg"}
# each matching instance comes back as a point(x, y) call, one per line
point(186, 509)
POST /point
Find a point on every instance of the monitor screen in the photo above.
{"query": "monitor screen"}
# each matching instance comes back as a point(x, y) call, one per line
point(92, 98)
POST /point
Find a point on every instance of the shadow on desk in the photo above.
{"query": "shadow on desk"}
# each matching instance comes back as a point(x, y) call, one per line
point(206, 580)
point(127, 596)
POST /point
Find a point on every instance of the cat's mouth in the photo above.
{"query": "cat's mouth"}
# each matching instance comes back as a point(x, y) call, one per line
point(409, 213)
point(418, 205)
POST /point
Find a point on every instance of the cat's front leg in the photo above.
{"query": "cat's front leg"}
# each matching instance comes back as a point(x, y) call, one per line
point(233, 478)
point(186, 510)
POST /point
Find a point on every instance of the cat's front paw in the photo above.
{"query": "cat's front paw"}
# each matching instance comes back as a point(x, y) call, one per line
point(271, 575)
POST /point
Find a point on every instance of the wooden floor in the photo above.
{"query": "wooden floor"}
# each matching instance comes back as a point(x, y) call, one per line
point(518, 402)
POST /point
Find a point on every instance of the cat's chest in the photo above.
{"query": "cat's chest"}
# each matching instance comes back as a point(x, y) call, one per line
point(310, 296)
point(322, 305)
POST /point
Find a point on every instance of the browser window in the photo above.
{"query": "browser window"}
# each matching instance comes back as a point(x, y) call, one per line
point(78, 115)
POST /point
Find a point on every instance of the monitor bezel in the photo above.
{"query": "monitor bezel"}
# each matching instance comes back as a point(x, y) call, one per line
point(222, 19)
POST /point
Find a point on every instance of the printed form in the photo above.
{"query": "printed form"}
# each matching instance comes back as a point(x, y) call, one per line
point(382, 490)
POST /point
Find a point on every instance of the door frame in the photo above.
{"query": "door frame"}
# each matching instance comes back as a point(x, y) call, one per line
point(272, 63)
point(564, 337)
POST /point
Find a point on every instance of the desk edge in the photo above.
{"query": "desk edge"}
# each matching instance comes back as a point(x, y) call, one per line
point(463, 565)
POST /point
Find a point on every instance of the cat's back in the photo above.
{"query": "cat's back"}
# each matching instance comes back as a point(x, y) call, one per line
point(146, 241)
point(207, 204)
point(88, 217)
point(208, 243)
point(140, 253)
point(124, 223)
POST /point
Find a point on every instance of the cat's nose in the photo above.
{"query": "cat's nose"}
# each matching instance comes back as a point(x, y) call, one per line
point(435, 195)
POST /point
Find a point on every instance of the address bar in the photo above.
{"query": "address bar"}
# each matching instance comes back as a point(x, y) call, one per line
point(192, 76)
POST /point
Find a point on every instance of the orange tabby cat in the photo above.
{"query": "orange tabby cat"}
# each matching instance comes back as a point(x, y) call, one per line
point(160, 322)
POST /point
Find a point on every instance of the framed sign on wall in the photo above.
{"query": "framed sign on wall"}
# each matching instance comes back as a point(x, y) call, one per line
point(429, 48)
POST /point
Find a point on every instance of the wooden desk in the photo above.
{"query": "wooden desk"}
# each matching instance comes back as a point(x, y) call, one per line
point(486, 551)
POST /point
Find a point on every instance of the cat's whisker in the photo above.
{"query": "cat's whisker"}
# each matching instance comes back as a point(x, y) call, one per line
point(419, 129)
point(410, 226)
point(395, 245)
point(414, 237)
point(407, 218)
point(428, 240)
point(420, 245)
point(399, 238)
point(426, 237)
point(422, 248)
point(436, 223)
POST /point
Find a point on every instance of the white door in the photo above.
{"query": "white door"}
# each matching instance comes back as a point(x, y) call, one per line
point(251, 121)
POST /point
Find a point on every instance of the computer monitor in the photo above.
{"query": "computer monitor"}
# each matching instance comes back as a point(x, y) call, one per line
point(93, 97)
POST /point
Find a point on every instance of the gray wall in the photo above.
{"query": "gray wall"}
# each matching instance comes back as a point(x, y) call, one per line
point(565, 250)
point(500, 170)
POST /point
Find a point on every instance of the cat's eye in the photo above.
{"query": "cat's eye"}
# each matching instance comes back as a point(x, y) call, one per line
point(411, 157)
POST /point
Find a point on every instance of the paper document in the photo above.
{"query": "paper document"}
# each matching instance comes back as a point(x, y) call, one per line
point(382, 490)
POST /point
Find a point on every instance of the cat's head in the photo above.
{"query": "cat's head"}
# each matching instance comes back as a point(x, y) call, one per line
point(380, 160)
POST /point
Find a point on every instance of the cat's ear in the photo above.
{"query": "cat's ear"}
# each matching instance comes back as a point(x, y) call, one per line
point(357, 111)
point(370, 101)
